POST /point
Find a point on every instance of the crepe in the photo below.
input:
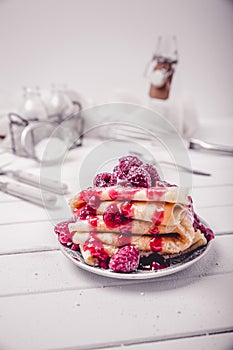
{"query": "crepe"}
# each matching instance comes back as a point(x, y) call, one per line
point(198, 241)
point(94, 196)
point(173, 239)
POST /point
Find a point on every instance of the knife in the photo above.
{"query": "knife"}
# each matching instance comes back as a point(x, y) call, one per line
point(29, 193)
point(36, 181)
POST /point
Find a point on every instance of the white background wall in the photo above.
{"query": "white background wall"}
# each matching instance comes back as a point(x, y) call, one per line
point(101, 46)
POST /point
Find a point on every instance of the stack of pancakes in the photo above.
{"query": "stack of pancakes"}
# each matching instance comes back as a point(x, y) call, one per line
point(157, 219)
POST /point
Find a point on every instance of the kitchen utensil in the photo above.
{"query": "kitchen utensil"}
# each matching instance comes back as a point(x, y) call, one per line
point(36, 181)
point(178, 166)
point(196, 144)
point(28, 193)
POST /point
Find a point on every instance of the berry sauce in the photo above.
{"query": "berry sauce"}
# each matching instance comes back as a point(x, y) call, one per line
point(154, 230)
point(124, 239)
point(155, 193)
point(207, 232)
point(96, 248)
point(127, 209)
point(93, 221)
point(156, 244)
point(127, 193)
point(158, 216)
point(92, 197)
point(113, 217)
point(85, 212)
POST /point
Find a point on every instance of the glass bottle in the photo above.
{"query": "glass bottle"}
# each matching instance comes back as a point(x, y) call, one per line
point(60, 105)
point(32, 106)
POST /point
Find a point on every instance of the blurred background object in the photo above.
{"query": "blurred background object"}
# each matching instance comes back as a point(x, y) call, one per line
point(104, 53)
point(161, 68)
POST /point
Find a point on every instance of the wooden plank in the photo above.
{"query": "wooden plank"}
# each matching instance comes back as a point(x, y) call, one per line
point(117, 315)
point(27, 237)
point(22, 211)
point(220, 167)
point(49, 271)
point(220, 219)
point(213, 196)
point(211, 342)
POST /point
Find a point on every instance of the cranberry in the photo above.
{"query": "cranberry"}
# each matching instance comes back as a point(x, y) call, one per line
point(139, 177)
point(86, 212)
point(102, 180)
point(153, 173)
point(126, 259)
point(113, 217)
point(126, 163)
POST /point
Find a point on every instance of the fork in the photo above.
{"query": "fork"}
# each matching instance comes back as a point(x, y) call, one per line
point(181, 167)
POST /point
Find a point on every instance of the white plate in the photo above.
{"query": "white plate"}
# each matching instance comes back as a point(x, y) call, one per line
point(188, 260)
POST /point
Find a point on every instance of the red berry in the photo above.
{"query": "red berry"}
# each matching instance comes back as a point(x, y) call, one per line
point(113, 217)
point(102, 180)
point(139, 177)
point(63, 232)
point(153, 173)
point(118, 177)
point(86, 212)
point(126, 259)
point(126, 163)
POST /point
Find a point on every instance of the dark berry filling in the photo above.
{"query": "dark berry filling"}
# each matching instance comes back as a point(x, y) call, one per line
point(153, 262)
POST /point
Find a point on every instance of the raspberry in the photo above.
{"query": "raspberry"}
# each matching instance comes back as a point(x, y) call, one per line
point(126, 259)
point(139, 177)
point(86, 212)
point(118, 177)
point(126, 163)
point(113, 217)
point(63, 232)
point(153, 173)
point(102, 180)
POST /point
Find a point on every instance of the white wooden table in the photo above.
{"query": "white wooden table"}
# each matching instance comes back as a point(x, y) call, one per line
point(49, 303)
